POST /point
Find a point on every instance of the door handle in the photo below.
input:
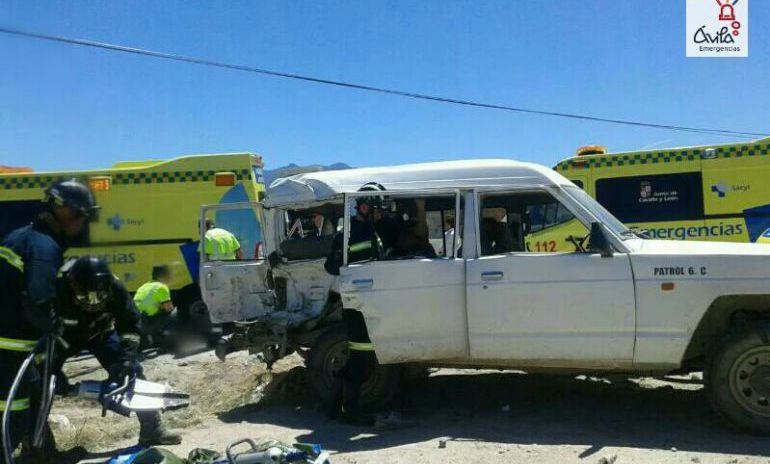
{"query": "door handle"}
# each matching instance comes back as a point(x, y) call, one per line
point(494, 275)
point(363, 283)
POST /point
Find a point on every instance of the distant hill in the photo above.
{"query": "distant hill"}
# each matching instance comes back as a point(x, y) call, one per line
point(292, 169)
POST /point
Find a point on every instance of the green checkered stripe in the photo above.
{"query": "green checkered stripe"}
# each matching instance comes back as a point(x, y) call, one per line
point(128, 178)
point(659, 157)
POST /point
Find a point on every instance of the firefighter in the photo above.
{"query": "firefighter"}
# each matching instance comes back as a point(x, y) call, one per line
point(364, 243)
point(101, 317)
point(30, 258)
point(220, 244)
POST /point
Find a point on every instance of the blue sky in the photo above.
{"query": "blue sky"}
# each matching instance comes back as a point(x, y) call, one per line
point(67, 107)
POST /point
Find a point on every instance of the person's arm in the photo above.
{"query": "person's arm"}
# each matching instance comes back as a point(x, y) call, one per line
point(334, 260)
point(207, 246)
point(421, 219)
point(40, 285)
point(163, 297)
point(128, 321)
point(237, 247)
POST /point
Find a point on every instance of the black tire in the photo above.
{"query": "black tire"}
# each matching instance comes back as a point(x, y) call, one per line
point(736, 378)
point(328, 355)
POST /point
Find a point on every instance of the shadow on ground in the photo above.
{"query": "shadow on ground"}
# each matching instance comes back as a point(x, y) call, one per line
point(517, 409)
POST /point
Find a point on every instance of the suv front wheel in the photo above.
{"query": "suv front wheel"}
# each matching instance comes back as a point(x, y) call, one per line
point(737, 379)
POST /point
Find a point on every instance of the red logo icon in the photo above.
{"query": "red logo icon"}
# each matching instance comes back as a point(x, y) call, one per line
point(727, 13)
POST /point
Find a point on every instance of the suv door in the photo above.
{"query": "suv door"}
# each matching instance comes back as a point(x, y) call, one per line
point(236, 290)
point(542, 307)
point(414, 307)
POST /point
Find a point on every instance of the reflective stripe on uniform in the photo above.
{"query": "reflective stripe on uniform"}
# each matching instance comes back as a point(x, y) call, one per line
point(358, 346)
point(13, 344)
point(16, 405)
point(12, 258)
point(360, 246)
point(131, 338)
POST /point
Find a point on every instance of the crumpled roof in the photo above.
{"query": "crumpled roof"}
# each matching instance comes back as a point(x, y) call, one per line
point(325, 185)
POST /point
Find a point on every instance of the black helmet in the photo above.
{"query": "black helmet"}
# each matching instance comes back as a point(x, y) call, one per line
point(74, 195)
point(375, 201)
point(91, 282)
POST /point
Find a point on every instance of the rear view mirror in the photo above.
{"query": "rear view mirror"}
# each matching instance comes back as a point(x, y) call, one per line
point(599, 242)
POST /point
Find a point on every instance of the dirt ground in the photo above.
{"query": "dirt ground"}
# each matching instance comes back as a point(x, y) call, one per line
point(458, 416)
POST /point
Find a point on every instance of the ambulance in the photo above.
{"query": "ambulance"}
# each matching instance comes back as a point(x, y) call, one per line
point(707, 193)
point(149, 213)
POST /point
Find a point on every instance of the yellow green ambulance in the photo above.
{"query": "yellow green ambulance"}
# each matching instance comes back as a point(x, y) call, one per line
point(711, 193)
point(150, 212)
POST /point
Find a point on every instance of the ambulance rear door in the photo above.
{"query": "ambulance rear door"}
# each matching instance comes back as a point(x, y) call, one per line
point(236, 290)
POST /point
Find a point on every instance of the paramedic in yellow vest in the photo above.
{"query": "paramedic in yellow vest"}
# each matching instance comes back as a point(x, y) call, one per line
point(153, 300)
point(221, 245)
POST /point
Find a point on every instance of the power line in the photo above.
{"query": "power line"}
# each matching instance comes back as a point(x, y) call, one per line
point(350, 85)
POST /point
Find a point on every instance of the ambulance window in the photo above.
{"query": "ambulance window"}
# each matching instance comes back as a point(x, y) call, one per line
point(662, 197)
point(526, 222)
point(577, 182)
point(542, 216)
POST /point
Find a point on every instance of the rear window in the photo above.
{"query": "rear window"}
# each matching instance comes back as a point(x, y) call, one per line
point(664, 197)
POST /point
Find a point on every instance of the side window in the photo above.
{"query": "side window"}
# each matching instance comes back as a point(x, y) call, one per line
point(309, 232)
point(577, 182)
point(409, 227)
point(527, 222)
point(233, 234)
point(664, 197)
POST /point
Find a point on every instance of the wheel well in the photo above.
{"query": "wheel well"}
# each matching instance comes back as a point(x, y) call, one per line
point(184, 297)
point(724, 313)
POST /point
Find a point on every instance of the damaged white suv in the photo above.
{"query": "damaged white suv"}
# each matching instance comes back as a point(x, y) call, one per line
point(463, 281)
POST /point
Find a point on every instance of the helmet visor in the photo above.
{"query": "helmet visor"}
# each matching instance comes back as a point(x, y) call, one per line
point(91, 301)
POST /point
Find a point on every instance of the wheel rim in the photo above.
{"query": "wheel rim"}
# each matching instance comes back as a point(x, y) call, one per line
point(335, 360)
point(750, 380)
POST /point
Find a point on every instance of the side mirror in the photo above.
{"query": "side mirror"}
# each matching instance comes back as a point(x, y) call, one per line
point(598, 241)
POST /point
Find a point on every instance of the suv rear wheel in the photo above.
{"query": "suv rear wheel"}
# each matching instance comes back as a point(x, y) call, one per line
point(737, 379)
point(328, 356)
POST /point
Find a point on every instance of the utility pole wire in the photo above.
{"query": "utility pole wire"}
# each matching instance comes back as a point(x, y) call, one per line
point(350, 85)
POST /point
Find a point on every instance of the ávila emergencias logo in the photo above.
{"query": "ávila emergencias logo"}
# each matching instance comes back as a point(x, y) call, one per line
point(717, 28)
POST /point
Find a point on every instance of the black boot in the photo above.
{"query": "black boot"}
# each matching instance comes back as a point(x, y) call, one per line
point(351, 405)
point(152, 432)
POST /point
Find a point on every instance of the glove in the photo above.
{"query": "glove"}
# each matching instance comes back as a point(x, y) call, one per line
point(130, 343)
point(121, 370)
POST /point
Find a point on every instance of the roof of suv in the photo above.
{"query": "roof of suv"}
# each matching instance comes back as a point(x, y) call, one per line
point(320, 186)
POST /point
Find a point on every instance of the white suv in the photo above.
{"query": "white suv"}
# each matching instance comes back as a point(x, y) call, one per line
point(484, 293)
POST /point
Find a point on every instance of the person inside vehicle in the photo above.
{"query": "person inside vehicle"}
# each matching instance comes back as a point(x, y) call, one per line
point(318, 224)
point(364, 244)
point(220, 244)
point(153, 299)
point(496, 236)
point(449, 234)
point(30, 258)
point(413, 236)
point(102, 318)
